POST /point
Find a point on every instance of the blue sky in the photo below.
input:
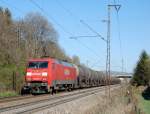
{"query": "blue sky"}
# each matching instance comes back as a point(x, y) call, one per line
point(134, 20)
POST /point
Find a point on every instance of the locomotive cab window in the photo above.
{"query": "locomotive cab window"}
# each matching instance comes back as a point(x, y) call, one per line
point(38, 64)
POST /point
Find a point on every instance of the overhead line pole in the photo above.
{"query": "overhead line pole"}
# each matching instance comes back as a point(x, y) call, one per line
point(108, 58)
point(108, 50)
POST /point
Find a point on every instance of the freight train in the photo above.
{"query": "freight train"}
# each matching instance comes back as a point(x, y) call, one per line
point(46, 75)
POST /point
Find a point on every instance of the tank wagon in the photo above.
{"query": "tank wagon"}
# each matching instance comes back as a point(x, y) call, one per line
point(48, 75)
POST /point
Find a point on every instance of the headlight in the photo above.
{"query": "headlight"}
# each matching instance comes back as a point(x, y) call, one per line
point(44, 73)
point(29, 74)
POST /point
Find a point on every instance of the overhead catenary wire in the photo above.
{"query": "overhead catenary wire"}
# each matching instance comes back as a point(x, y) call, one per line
point(119, 37)
point(88, 48)
point(90, 28)
point(75, 37)
point(65, 9)
point(58, 24)
point(51, 17)
point(120, 42)
point(14, 7)
point(114, 1)
point(43, 11)
point(81, 21)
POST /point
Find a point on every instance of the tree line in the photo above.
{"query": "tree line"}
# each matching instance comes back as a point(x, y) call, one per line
point(30, 37)
point(142, 71)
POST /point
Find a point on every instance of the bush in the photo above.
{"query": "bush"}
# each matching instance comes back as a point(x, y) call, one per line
point(142, 71)
point(6, 76)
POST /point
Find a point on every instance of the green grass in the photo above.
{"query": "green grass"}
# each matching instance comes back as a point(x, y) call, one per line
point(8, 94)
point(144, 104)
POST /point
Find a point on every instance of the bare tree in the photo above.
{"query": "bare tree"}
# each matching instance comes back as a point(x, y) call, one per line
point(76, 60)
point(30, 37)
point(36, 31)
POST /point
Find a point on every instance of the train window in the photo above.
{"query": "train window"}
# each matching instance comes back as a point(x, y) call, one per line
point(63, 63)
point(43, 64)
point(38, 64)
point(67, 64)
point(32, 65)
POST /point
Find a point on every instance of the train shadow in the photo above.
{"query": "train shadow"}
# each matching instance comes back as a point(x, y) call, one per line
point(146, 93)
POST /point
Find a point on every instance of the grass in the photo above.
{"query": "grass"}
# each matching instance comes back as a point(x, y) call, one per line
point(118, 104)
point(143, 99)
point(8, 94)
point(144, 104)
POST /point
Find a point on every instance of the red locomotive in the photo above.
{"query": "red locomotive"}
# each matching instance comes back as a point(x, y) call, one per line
point(48, 75)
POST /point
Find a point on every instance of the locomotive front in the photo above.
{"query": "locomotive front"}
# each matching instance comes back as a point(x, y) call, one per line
point(37, 75)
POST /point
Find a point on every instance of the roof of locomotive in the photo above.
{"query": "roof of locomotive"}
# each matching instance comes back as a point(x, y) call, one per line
point(63, 62)
point(41, 59)
point(48, 59)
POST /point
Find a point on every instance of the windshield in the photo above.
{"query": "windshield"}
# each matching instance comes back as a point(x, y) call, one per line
point(38, 64)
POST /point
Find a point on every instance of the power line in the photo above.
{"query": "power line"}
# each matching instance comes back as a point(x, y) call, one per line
point(80, 20)
point(52, 18)
point(75, 37)
point(83, 44)
point(42, 10)
point(119, 37)
point(90, 28)
point(119, 34)
point(45, 14)
point(17, 9)
point(88, 48)
point(114, 1)
point(108, 37)
point(120, 42)
point(65, 9)
point(91, 50)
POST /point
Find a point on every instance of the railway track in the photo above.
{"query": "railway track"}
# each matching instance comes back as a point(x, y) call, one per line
point(52, 101)
point(17, 98)
point(9, 99)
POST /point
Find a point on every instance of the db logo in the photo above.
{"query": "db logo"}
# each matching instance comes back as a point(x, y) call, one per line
point(66, 72)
